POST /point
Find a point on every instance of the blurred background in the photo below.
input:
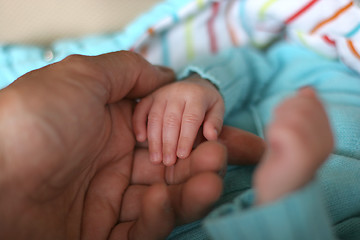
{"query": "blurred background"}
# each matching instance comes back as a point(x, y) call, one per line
point(42, 21)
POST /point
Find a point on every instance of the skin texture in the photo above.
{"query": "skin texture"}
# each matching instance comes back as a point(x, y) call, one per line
point(299, 138)
point(70, 167)
point(170, 118)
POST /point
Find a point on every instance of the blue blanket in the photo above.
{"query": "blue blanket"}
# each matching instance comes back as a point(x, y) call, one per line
point(252, 83)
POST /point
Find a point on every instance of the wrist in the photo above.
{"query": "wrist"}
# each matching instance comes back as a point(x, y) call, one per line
point(196, 78)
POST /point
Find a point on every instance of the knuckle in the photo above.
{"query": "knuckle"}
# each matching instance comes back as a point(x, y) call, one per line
point(131, 56)
point(77, 61)
point(168, 146)
point(191, 90)
point(171, 120)
point(82, 65)
point(186, 141)
point(192, 118)
point(134, 60)
point(74, 58)
point(196, 92)
point(154, 119)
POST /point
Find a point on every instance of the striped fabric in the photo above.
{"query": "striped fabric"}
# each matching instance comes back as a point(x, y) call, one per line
point(178, 31)
point(202, 27)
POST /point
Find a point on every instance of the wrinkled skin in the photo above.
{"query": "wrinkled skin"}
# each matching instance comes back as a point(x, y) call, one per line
point(70, 167)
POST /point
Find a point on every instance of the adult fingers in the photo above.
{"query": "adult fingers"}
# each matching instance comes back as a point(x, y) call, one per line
point(144, 171)
point(190, 203)
point(243, 147)
point(192, 199)
point(102, 208)
point(207, 157)
point(110, 76)
point(155, 220)
point(127, 74)
point(140, 115)
point(163, 207)
point(171, 130)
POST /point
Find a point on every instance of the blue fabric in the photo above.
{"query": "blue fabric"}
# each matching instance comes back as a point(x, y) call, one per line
point(253, 83)
point(16, 60)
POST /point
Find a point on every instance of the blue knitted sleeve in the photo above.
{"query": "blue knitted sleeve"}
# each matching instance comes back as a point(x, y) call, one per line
point(252, 84)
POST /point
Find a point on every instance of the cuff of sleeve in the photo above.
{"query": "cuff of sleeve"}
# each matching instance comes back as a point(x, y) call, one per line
point(228, 73)
point(301, 215)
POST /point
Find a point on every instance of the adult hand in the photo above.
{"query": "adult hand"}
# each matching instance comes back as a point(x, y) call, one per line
point(69, 166)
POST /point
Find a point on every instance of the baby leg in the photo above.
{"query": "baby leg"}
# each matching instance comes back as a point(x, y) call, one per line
point(299, 141)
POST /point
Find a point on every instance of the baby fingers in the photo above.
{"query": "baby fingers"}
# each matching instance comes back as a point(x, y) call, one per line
point(214, 121)
point(171, 131)
point(140, 118)
point(154, 131)
point(192, 119)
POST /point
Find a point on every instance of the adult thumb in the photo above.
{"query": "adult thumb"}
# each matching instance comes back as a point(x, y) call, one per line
point(129, 75)
point(243, 147)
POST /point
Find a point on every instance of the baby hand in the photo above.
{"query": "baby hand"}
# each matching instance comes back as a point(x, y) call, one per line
point(170, 118)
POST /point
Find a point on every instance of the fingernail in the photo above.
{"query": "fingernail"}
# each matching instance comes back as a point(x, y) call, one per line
point(168, 160)
point(155, 158)
point(140, 138)
point(181, 153)
point(216, 133)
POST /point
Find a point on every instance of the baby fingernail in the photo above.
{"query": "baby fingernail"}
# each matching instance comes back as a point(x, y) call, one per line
point(216, 132)
point(168, 160)
point(155, 158)
point(181, 153)
point(140, 138)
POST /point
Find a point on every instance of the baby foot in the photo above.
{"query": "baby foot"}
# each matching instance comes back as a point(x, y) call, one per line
point(299, 141)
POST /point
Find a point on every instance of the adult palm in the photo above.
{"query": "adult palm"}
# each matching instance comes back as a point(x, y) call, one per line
point(70, 167)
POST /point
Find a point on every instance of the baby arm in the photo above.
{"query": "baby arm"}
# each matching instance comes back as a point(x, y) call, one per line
point(170, 118)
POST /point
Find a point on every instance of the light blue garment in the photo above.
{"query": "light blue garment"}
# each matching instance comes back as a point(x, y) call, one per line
point(252, 84)
point(16, 60)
